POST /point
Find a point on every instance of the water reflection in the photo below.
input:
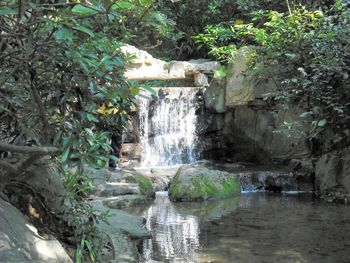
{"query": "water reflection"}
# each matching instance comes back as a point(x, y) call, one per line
point(256, 227)
point(176, 236)
point(176, 230)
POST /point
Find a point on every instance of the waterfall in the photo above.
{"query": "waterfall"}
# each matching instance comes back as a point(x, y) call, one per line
point(168, 127)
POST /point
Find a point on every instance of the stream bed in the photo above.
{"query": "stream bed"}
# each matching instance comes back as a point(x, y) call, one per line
point(254, 227)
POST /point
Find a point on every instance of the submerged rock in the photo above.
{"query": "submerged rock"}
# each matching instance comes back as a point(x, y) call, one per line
point(195, 183)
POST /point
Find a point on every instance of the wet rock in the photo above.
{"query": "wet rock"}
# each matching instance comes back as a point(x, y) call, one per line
point(214, 96)
point(196, 183)
point(117, 188)
point(275, 181)
point(121, 221)
point(124, 249)
point(124, 201)
point(125, 181)
point(332, 176)
point(161, 177)
point(21, 242)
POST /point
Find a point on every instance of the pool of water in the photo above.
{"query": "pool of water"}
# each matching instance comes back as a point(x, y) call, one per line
point(255, 227)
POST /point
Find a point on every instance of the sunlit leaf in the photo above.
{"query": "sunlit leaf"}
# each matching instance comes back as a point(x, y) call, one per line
point(83, 10)
point(84, 30)
point(123, 5)
point(8, 11)
point(322, 123)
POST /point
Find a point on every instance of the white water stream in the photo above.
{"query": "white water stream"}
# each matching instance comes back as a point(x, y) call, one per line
point(168, 127)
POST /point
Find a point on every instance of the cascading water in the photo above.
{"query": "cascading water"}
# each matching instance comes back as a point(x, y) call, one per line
point(168, 127)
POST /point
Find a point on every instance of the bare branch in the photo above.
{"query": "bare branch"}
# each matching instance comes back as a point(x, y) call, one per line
point(42, 112)
point(27, 149)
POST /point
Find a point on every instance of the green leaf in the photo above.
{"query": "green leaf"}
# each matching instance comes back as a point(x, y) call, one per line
point(8, 11)
point(83, 10)
point(221, 72)
point(64, 155)
point(91, 117)
point(64, 34)
point(321, 123)
point(123, 5)
point(135, 90)
point(84, 30)
point(305, 114)
point(150, 89)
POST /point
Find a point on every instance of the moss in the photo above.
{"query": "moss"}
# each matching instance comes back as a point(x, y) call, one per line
point(145, 184)
point(175, 192)
point(130, 179)
point(204, 187)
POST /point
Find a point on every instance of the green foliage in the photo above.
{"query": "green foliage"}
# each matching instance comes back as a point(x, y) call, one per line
point(306, 53)
point(190, 17)
point(61, 81)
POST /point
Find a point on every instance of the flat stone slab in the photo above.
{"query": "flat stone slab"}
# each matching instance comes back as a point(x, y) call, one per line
point(121, 221)
point(123, 201)
point(124, 249)
point(117, 188)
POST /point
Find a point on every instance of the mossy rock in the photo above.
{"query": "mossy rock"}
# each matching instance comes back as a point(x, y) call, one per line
point(145, 185)
point(196, 183)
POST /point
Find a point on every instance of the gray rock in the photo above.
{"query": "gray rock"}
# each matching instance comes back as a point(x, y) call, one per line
point(124, 201)
point(20, 241)
point(196, 183)
point(276, 180)
point(239, 88)
point(121, 221)
point(117, 188)
point(161, 177)
point(214, 96)
point(124, 249)
point(332, 177)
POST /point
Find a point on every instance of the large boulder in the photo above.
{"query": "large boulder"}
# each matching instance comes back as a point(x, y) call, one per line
point(197, 183)
point(21, 242)
point(332, 177)
point(239, 88)
point(260, 126)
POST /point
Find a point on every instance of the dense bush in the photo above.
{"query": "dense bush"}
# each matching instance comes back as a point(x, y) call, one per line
point(62, 89)
point(306, 53)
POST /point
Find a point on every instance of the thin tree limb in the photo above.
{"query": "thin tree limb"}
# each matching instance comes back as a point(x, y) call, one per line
point(5, 147)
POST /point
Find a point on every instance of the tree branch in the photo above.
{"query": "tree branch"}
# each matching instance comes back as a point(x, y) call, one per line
point(27, 149)
point(42, 113)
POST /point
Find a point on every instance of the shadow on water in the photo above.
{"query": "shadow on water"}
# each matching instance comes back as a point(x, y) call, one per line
point(255, 227)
